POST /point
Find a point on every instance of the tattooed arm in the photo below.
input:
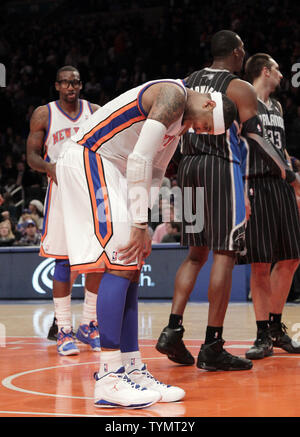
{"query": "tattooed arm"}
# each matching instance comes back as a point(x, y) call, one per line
point(35, 142)
point(164, 102)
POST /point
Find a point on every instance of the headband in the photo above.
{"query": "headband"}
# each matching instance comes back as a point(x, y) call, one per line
point(218, 113)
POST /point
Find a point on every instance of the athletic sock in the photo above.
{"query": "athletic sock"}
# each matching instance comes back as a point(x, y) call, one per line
point(274, 318)
point(89, 308)
point(62, 309)
point(175, 321)
point(213, 333)
point(129, 333)
point(110, 361)
point(132, 360)
point(262, 325)
point(110, 309)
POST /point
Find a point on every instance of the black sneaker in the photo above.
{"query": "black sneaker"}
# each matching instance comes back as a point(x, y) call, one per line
point(213, 357)
point(53, 331)
point(170, 343)
point(282, 340)
point(263, 346)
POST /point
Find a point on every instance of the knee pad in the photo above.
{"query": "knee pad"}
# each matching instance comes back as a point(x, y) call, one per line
point(62, 271)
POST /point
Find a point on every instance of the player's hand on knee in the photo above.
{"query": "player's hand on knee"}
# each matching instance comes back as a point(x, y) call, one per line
point(134, 249)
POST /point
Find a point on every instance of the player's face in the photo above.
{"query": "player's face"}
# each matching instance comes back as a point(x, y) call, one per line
point(240, 55)
point(275, 75)
point(200, 117)
point(205, 124)
point(69, 86)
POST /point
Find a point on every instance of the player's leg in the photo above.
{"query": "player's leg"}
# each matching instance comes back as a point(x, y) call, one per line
point(260, 286)
point(225, 232)
point(170, 340)
point(212, 356)
point(88, 331)
point(281, 280)
point(113, 387)
point(53, 244)
point(129, 346)
point(62, 285)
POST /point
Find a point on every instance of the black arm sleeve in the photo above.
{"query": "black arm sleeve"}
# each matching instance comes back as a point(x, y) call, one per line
point(253, 130)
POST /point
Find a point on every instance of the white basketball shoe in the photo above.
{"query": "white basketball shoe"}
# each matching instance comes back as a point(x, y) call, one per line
point(143, 377)
point(115, 390)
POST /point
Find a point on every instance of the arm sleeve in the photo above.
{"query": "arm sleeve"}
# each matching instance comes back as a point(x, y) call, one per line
point(140, 166)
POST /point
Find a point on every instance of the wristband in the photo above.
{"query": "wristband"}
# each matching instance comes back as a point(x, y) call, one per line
point(140, 225)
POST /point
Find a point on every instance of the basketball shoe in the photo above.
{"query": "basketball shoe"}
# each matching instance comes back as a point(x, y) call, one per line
point(66, 343)
point(53, 330)
point(213, 357)
point(263, 346)
point(281, 339)
point(89, 334)
point(115, 389)
point(170, 343)
point(168, 393)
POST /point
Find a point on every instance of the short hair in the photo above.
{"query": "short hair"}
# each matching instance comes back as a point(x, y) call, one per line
point(66, 68)
point(255, 64)
point(223, 43)
point(229, 110)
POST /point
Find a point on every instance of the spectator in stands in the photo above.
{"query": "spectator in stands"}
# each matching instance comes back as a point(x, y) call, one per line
point(32, 236)
point(173, 233)
point(7, 238)
point(163, 229)
point(37, 212)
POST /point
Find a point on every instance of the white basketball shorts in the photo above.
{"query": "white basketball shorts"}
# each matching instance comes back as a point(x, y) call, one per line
point(53, 241)
point(94, 203)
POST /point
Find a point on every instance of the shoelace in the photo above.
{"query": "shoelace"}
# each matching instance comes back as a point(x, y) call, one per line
point(282, 330)
point(283, 327)
point(70, 334)
point(149, 376)
point(126, 379)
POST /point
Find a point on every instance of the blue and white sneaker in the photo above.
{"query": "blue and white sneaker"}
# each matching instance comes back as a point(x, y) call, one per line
point(115, 390)
point(66, 343)
point(89, 334)
point(169, 393)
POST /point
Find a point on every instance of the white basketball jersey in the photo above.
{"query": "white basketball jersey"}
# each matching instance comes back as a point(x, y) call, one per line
point(61, 127)
point(113, 130)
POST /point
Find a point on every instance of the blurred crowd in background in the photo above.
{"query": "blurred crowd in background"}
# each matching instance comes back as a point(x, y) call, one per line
point(117, 45)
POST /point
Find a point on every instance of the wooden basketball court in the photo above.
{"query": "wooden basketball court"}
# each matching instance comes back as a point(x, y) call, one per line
point(37, 382)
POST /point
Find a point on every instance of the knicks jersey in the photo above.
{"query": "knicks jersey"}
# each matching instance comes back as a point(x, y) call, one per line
point(273, 124)
point(114, 129)
point(226, 145)
point(61, 127)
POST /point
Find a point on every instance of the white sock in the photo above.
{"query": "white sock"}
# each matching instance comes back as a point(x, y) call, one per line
point(132, 359)
point(89, 308)
point(110, 362)
point(62, 308)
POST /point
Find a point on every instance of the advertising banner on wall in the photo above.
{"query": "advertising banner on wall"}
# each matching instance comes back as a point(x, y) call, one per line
point(25, 275)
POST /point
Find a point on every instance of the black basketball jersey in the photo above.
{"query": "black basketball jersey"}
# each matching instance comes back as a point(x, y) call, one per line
point(226, 145)
point(273, 123)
